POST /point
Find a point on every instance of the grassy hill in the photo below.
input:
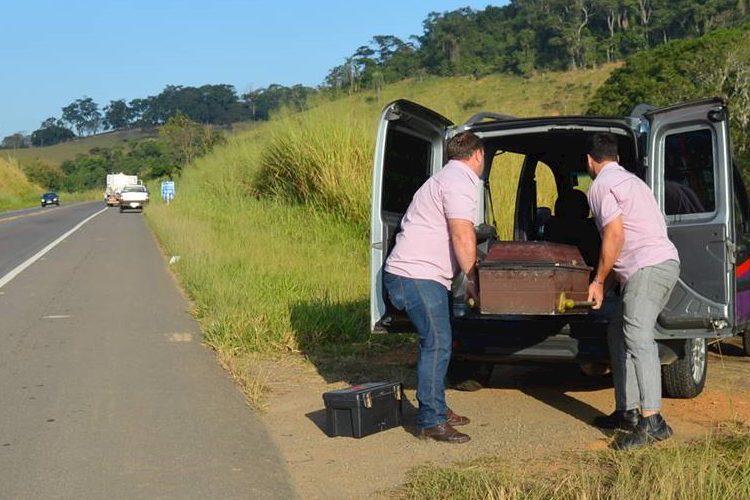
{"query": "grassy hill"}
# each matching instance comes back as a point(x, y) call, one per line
point(69, 150)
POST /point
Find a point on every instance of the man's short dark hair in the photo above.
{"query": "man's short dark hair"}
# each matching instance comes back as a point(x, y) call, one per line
point(462, 146)
point(602, 147)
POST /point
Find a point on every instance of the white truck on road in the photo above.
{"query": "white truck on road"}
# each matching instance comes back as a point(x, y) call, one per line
point(133, 196)
point(115, 185)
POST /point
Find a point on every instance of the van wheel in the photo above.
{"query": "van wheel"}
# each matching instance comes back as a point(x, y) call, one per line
point(686, 377)
point(469, 375)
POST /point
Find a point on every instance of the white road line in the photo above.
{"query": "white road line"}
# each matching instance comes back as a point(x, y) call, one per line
point(18, 270)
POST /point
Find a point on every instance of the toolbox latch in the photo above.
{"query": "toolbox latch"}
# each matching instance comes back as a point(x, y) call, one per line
point(367, 400)
point(397, 392)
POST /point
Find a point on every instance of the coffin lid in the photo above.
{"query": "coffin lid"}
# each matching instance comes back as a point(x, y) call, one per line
point(533, 254)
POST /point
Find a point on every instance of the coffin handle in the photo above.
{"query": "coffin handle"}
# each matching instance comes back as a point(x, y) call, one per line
point(564, 304)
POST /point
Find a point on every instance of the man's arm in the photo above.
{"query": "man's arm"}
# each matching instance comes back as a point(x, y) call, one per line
point(464, 241)
point(613, 237)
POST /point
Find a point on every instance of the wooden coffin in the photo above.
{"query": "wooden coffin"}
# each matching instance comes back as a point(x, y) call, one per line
point(529, 277)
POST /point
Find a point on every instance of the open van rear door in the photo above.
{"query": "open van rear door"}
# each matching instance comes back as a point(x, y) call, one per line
point(409, 148)
point(690, 172)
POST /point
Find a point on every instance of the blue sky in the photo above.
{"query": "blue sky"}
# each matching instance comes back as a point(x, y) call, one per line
point(53, 52)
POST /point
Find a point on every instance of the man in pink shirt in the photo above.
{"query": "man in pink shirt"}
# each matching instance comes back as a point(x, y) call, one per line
point(437, 240)
point(636, 248)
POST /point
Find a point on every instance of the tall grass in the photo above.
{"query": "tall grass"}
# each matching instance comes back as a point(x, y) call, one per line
point(264, 277)
point(715, 469)
point(324, 157)
point(321, 159)
point(15, 189)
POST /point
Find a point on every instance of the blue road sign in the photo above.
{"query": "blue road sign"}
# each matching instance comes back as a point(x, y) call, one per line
point(167, 190)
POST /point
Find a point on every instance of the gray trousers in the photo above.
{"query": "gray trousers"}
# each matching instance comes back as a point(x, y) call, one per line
point(636, 369)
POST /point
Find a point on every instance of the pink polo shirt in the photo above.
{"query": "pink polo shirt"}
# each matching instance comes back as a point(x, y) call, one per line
point(615, 192)
point(423, 248)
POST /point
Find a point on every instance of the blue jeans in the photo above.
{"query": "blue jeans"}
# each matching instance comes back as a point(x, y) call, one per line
point(427, 303)
point(636, 369)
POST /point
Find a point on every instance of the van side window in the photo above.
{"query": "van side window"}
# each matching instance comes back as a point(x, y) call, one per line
point(405, 168)
point(689, 178)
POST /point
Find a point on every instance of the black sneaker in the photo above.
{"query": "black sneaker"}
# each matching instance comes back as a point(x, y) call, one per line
point(625, 420)
point(649, 430)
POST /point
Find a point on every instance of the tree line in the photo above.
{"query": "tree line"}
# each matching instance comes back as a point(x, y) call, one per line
point(208, 104)
point(528, 36)
point(178, 142)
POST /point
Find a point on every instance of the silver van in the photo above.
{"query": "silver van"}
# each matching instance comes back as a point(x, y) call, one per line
point(682, 152)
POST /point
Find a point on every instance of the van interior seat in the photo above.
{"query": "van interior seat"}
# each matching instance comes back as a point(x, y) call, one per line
point(572, 225)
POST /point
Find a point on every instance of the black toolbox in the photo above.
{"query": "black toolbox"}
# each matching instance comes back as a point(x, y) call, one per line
point(364, 409)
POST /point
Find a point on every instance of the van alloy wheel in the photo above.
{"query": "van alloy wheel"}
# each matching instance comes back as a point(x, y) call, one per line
point(698, 355)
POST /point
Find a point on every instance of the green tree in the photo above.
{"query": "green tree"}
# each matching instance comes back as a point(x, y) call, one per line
point(85, 172)
point(15, 141)
point(717, 64)
point(187, 139)
point(83, 114)
point(264, 101)
point(44, 174)
point(51, 132)
point(117, 115)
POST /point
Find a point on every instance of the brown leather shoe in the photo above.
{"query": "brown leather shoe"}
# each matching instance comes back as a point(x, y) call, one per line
point(455, 419)
point(444, 432)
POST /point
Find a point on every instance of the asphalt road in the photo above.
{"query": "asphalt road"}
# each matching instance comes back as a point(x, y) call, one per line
point(105, 389)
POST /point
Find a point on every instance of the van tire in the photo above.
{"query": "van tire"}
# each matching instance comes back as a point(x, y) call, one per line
point(469, 376)
point(686, 377)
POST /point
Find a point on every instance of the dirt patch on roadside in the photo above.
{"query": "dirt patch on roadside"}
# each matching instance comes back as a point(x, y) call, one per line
point(528, 411)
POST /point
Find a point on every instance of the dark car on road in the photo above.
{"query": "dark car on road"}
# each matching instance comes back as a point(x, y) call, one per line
point(50, 199)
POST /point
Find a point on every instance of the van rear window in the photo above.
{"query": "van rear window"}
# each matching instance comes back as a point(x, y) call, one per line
point(405, 169)
point(689, 173)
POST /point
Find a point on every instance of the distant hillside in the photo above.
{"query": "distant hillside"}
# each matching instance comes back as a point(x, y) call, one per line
point(58, 153)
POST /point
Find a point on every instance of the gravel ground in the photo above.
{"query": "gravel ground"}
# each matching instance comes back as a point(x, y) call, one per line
point(528, 411)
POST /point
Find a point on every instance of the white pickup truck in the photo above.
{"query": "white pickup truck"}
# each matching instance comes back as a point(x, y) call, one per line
point(134, 196)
